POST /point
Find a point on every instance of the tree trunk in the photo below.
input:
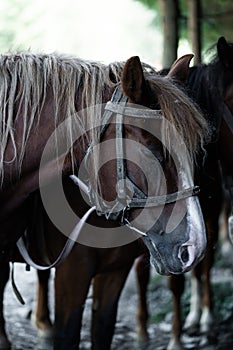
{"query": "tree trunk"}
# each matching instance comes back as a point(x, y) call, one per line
point(194, 28)
point(169, 13)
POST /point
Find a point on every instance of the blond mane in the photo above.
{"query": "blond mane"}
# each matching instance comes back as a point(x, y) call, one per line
point(25, 79)
point(183, 114)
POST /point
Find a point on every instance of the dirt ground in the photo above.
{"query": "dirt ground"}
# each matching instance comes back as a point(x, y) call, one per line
point(24, 336)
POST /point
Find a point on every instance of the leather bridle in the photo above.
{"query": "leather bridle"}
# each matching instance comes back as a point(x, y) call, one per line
point(123, 203)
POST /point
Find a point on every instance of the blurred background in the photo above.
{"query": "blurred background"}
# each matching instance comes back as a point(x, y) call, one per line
point(158, 31)
point(109, 30)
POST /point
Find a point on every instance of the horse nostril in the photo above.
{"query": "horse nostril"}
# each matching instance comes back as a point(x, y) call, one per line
point(184, 256)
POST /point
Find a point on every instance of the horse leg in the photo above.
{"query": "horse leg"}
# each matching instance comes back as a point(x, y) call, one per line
point(106, 292)
point(200, 302)
point(212, 225)
point(72, 282)
point(176, 286)
point(201, 295)
point(42, 317)
point(193, 318)
point(206, 319)
point(142, 268)
point(4, 271)
point(226, 245)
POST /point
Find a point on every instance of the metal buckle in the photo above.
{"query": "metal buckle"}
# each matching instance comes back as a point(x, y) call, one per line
point(125, 215)
point(196, 190)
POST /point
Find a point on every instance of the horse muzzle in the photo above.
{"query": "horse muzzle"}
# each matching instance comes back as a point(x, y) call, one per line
point(178, 260)
point(181, 249)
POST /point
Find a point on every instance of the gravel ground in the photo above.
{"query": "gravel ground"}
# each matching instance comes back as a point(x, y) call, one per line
point(24, 336)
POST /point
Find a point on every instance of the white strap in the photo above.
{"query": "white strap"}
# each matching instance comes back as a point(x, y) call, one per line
point(141, 113)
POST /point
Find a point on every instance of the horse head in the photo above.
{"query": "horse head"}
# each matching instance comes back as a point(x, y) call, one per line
point(152, 136)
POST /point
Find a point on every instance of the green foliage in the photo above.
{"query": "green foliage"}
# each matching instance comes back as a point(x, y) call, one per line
point(217, 19)
point(11, 22)
point(151, 4)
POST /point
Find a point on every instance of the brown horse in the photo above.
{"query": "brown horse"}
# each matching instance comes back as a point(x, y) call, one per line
point(41, 97)
point(211, 86)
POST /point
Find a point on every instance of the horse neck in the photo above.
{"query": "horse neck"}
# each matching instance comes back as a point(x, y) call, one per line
point(209, 84)
point(203, 88)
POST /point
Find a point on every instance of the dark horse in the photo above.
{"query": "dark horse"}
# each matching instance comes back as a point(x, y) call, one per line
point(211, 86)
point(53, 123)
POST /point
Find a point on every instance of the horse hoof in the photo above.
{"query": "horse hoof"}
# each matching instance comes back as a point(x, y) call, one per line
point(206, 320)
point(175, 344)
point(45, 339)
point(142, 337)
point(44, 344)
point(192, 321)
point(44, 329)
point(140, 344)
point(46, 333)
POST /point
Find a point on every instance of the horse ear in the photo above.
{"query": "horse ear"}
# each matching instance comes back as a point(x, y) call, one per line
point(180, 68)
point(132, 79)
point(225, 52)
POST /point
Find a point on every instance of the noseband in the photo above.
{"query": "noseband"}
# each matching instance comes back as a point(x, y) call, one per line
point(123, 203)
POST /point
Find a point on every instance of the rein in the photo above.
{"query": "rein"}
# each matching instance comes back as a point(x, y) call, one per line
point(65, 251)
point(67, 247)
